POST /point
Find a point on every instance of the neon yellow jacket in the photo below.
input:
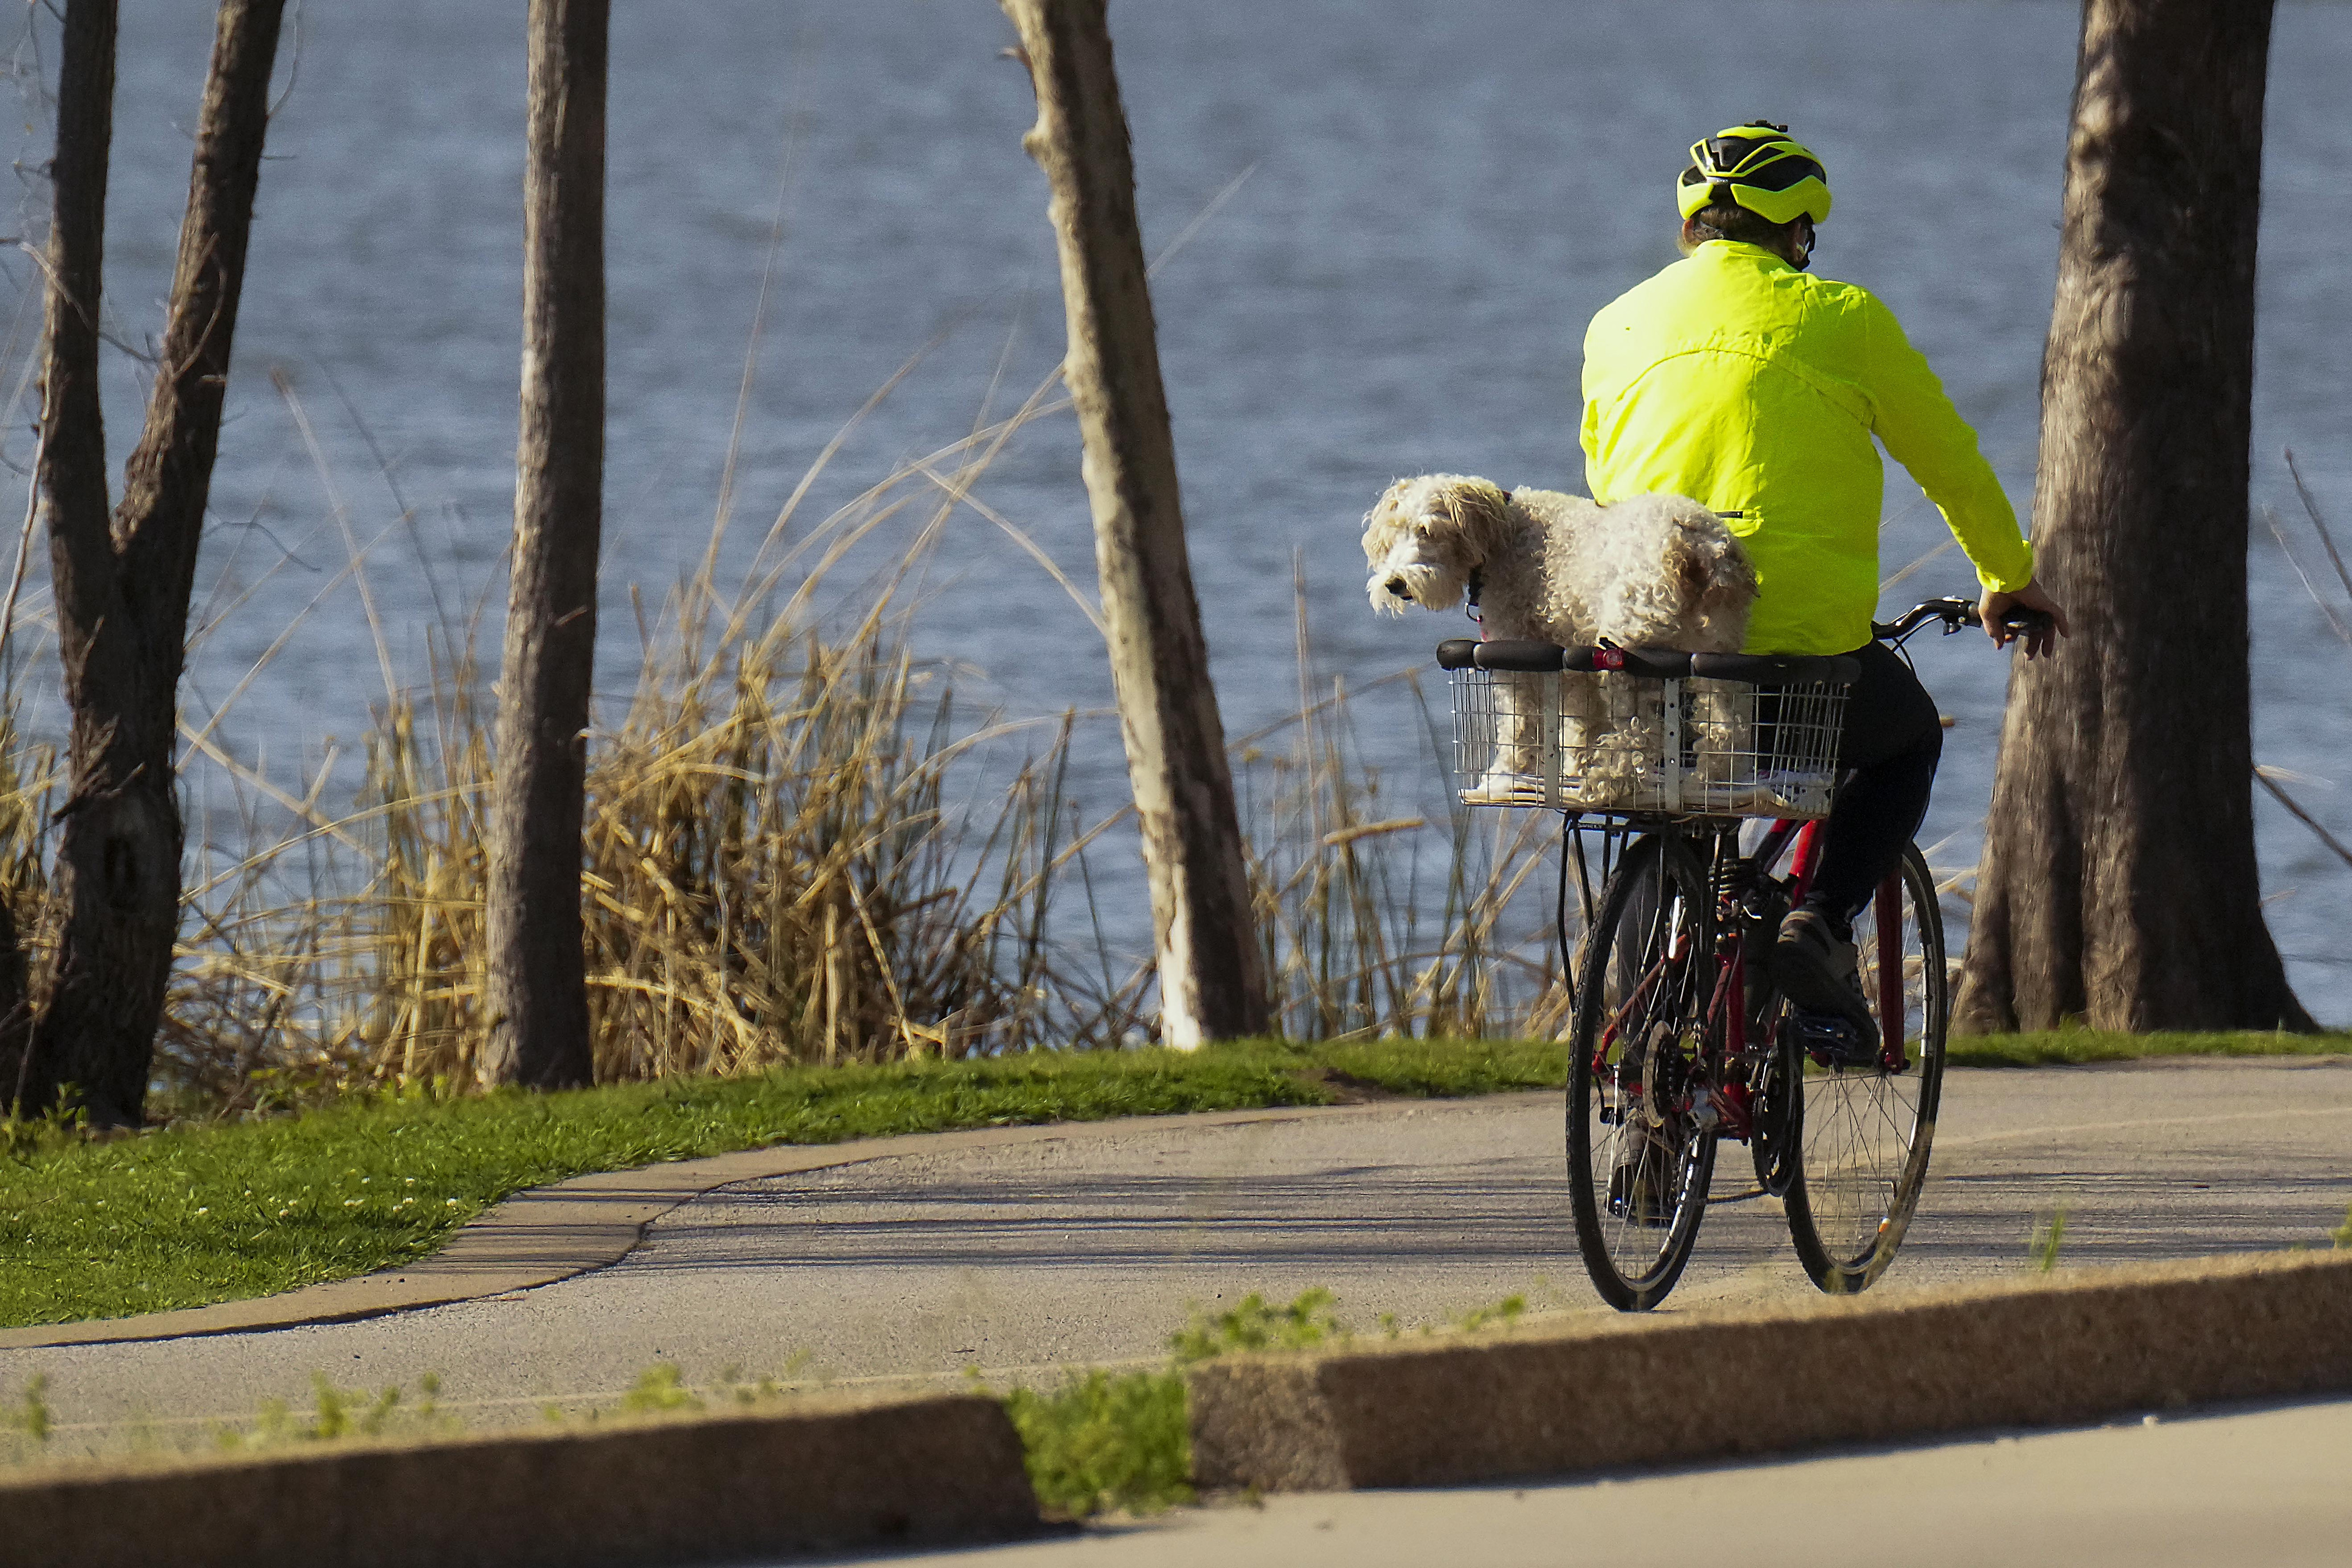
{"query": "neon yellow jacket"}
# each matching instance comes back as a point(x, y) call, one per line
point(1751, 387)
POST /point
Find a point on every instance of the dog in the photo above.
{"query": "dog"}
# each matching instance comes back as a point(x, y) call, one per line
point(1654, 571)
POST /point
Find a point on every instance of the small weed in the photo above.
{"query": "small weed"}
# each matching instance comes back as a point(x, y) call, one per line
point(1104, 1441)
point(1119, 1440)
point(659, 1387)
point(338, 1415)
point(30, 1414)
point(1253, 1326)
point(2049, 1235)
point(22, 1138)
point(2342, 1234)
point(734, 1386)
point(1506, 1311)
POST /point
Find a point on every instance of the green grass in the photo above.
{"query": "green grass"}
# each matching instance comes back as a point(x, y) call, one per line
point(1305, 1324)
point(1123, 1440)
point(184, 1216)
point(1105, 1440)
point(2073, 1047)
point(1456, 1068)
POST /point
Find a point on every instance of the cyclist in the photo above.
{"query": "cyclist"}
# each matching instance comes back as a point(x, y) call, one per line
point(1736, 378)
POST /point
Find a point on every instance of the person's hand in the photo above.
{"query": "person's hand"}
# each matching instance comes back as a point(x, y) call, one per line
point(1996, 606)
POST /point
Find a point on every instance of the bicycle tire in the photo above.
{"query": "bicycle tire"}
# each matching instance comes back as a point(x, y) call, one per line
point(1865, 1135)
point(1638, 1165)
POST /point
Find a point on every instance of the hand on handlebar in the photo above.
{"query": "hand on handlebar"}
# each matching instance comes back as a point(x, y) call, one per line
point(1999, 612)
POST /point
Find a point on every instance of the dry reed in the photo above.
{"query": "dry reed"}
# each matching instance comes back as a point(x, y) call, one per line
point(785, 859)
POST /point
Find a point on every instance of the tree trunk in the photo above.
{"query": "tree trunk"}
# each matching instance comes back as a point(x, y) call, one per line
point(15, 1017)
point(2119, 885)
point(1211, 984)
point(122, 583)
point(538, 971)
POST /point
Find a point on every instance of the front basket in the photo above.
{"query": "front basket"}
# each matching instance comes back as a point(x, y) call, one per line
point(1607, 739)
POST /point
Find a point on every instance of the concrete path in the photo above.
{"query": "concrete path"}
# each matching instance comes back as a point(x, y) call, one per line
point(1090, 1245)
point(2262, 1487)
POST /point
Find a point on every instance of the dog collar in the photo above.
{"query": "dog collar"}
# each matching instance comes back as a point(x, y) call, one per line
point(1478, 574)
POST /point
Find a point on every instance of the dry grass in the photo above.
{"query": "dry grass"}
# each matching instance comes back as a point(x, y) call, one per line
point(800, 847)
point(1364, 936)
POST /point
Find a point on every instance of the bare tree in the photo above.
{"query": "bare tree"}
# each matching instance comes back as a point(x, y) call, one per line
point(1211, 980)
point(538, 969)
point(122, 579)
point(2120, 884)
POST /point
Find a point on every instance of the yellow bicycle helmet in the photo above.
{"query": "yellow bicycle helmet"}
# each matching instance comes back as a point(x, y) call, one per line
point(1758, 166)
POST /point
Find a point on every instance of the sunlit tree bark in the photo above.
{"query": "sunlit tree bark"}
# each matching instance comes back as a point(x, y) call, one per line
point(122, 577)
point(1212, 979)
point(2120, 884)
point(538, 969)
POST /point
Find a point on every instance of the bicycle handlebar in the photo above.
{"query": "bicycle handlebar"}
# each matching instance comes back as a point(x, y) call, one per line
point(1528, 657)
point(1531, 657)
point(1954, 613)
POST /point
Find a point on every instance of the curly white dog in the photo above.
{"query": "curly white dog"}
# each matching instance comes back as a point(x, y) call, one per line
point(1655, 571)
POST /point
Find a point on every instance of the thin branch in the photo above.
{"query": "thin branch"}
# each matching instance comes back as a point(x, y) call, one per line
point(2311, 508)
point(2263, 776)
point(2334, 624)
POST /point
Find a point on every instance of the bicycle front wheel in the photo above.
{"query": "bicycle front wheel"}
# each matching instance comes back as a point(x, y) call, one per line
point(1865, 1132)
point(1639, 1159)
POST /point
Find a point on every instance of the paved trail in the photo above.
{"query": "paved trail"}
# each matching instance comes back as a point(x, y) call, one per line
point(1091, 1247)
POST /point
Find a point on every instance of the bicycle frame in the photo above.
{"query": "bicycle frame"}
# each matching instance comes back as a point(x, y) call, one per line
point(1728, 1009)
point(1886, 906)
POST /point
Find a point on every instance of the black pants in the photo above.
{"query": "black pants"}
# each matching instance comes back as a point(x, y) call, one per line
point(1891, 742)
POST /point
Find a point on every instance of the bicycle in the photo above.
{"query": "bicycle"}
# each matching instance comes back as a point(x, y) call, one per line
point(1679, 1039)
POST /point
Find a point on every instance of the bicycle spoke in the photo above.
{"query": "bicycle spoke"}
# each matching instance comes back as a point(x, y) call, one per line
point(1638, 1161)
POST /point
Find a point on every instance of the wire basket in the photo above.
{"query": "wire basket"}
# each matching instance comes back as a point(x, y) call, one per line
point(1642, 732)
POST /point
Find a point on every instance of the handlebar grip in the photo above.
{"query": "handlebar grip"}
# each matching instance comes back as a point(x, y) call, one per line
point(1457, 653)
point(1524, 656)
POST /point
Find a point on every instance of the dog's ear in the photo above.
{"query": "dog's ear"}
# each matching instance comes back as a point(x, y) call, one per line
point(1474, 508)
point(1382, 523)
point(1689, 568)
point(1717, 578)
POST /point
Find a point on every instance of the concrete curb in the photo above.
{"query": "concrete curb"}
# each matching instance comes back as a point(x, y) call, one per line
point(589, 1222)
point(1549, 1400)
point(825, 1476)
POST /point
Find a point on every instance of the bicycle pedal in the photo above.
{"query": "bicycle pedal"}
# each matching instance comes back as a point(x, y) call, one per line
point(1833, 1042)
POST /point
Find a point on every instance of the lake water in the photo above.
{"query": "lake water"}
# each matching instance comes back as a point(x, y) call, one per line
point(1437, 197)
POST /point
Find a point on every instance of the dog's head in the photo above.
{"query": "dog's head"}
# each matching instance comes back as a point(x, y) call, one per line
point(1424, 538)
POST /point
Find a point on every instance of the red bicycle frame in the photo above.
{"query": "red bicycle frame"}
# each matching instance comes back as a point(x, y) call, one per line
point(1804, 860)
point(1729, 1007)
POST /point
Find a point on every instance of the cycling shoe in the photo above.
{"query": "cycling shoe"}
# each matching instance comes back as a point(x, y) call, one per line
point(1831, 1040)
point(1817, 970)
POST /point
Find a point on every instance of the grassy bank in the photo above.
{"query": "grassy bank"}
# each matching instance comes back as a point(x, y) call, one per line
point(2076, 1046)
point(188, 1216)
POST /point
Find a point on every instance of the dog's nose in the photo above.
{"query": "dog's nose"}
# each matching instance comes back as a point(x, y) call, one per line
point(1397, 586)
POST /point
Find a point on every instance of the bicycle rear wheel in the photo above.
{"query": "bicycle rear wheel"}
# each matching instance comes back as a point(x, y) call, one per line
point(1864, 1133)
point(1638, 1159)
